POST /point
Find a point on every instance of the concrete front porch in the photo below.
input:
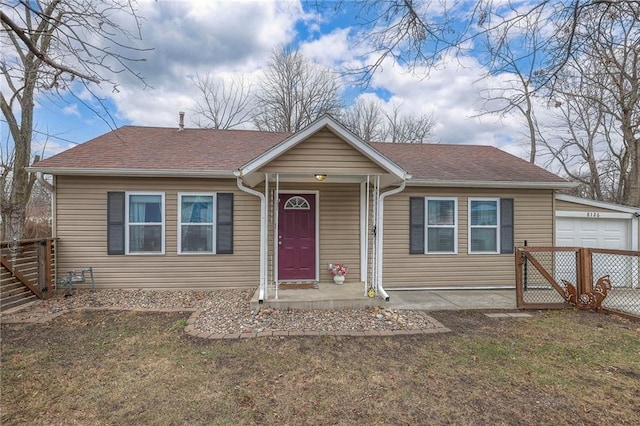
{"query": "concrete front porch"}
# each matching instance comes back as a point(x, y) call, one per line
point(351, 296)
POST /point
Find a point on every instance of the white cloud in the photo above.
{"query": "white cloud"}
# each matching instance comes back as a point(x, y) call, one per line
point(223, 37)
point(71, 109)
point(330, 50)
point(198, 37)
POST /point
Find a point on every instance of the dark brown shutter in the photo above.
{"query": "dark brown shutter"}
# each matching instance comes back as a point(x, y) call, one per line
point(115, 222)
point(224, 224)
point(506, 225)
point(416, 225)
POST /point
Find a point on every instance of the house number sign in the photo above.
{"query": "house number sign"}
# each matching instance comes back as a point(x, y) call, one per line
point(593, 214)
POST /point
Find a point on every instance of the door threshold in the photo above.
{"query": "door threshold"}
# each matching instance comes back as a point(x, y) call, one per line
point(297, 284)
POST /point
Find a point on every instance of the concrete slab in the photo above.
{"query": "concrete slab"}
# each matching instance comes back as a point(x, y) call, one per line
point(351, 296)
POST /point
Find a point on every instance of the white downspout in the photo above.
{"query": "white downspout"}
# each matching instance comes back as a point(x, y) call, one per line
point(263, 228)
point(52, 201)
point(46, 185)
point(379, 239)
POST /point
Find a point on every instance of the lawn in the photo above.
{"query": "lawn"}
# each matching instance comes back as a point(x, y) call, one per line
point(113, 368)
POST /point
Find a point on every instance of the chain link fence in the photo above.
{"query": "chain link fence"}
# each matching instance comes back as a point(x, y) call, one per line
point(560, 265)
point(542, 271)
point(622, 268)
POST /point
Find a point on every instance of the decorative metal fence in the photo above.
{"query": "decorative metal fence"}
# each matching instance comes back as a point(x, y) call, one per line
point(600, 278)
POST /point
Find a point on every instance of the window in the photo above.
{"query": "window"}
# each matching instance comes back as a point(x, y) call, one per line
point(196, 227)
point(136, 223)
point(490, 225)
point(205, 223)
point(145, 223)
point(297, 203)
point(442, 225)
point(433, 225)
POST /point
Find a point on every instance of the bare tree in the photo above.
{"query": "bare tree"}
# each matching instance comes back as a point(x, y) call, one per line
point(601, 82)
point(515, 55)
point(368, 121)
point(365, 119)
point(223, 103)
point(51, 47)
point(407, 128)
point(294, 92)
point(417, 33)
point(577, 143)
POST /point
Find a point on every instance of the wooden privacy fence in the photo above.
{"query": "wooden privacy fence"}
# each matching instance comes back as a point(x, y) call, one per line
point(588, 278)
point(27, 271)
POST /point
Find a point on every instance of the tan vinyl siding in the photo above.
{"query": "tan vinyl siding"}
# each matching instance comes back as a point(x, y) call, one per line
point(82, 223)
point(324, 152)
point(562, 205)
point(533, 221)
point(339, 226)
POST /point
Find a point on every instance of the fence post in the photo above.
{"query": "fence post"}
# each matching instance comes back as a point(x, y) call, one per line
point(45, 268)
point(585, 271)
point(519, 278)
point(42, 266)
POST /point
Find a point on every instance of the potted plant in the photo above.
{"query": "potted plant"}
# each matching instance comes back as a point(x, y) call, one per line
point(339, 272)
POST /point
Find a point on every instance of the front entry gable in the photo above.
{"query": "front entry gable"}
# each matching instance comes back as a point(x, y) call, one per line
point(323, 147)
point(323, 152)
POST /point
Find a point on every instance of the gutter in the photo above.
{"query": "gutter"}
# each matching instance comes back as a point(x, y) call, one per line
point(263, 238)
point(380, 237)
point(72, 171)
point(491, 184)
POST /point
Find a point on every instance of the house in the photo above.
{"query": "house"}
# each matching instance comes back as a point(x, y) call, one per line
point(152, 207)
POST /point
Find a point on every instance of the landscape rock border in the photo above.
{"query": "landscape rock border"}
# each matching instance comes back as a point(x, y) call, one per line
point(226, 314)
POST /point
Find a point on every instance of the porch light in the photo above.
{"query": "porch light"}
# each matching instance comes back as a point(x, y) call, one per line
point(320, 177)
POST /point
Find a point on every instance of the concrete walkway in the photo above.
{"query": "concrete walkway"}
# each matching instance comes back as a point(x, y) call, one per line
point(440, 300)
point(351, 296)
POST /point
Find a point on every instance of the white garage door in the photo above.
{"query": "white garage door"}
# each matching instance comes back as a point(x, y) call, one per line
point(594, 233)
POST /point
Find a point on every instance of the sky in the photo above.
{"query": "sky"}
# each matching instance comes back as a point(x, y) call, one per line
point(225, 37)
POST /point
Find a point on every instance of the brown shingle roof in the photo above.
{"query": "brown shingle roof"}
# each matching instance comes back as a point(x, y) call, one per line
point(158, 148)
point(463, 163)
point(151, 148)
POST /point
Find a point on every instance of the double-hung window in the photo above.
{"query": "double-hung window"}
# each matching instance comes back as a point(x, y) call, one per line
point(490, 225)
point(196, 230)
point(442, 229)
point(144, 231)
point(433, 225)
point(205, 223)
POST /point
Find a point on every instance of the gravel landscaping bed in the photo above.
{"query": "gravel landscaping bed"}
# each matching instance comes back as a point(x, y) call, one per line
point(227, 312)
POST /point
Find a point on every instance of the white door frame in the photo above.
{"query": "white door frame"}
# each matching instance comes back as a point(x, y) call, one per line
point(316, 194)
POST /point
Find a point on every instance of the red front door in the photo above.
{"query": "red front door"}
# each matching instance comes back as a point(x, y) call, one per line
point(297, 237)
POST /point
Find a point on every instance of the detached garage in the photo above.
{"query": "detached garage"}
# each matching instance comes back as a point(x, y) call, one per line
point(587, 223)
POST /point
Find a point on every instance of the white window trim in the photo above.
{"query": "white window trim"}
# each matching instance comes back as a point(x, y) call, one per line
point(214, 227)
point(496, 226)
point(454, 226)
point(127, 224)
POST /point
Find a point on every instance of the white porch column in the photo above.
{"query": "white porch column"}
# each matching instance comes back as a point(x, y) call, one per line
point(364, 233)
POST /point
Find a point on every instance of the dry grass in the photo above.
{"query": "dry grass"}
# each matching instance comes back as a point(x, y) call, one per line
point(136, 368)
